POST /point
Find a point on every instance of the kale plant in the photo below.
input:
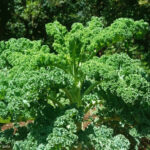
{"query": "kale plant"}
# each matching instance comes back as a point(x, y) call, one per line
point(57, 88)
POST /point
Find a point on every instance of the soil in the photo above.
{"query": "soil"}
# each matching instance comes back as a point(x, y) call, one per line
point(11, 125)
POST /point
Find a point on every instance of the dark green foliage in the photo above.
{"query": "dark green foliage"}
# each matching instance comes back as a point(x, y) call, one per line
point(136, 9)
point(27, 18)
point(20, 18)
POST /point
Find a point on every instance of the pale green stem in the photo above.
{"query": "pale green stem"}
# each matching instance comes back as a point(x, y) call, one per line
point(92, 87)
